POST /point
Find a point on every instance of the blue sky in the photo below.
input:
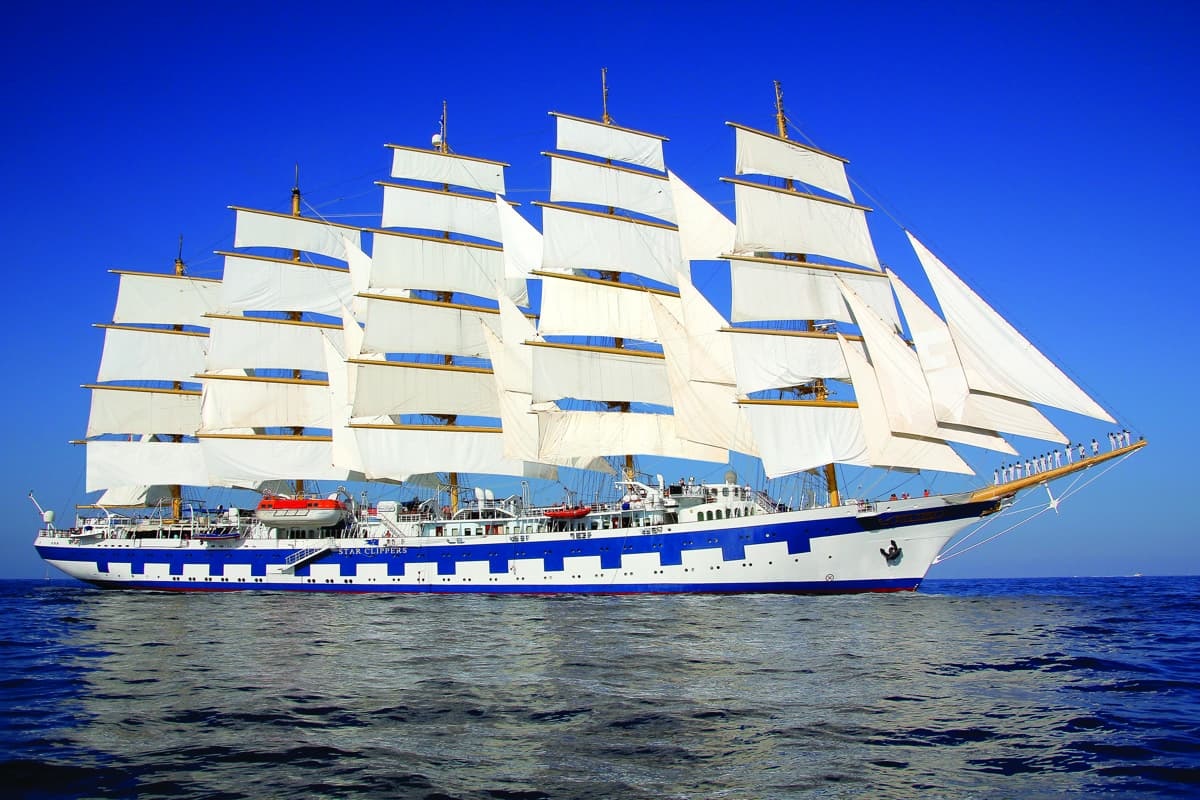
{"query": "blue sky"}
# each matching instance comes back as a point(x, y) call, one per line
point(1047, 155)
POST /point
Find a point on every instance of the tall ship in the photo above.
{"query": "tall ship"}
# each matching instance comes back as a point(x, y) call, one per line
point(435, 368)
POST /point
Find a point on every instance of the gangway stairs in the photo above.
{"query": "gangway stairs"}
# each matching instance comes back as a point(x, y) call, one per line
point(305, 556)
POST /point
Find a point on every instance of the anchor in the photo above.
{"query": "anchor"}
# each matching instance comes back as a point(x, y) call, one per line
point(892, 553)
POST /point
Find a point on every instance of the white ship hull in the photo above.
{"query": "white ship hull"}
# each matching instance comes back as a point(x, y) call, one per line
point(826, 550)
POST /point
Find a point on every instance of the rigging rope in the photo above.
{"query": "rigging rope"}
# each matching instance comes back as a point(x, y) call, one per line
point(1071, 490)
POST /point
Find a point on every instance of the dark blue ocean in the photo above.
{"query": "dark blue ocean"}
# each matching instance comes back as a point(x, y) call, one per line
point(966, 689)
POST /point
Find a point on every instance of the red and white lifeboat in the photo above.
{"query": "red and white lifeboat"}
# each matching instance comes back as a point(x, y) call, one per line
point(300, 512)
point(565, 512)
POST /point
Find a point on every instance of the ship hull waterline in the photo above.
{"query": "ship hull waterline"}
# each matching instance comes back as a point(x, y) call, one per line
point(840, 550)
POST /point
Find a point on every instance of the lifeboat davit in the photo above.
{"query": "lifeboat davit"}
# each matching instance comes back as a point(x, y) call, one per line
point(300, 512)
point(568, 513)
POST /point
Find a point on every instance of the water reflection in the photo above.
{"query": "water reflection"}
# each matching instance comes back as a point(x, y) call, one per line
point(292, 695)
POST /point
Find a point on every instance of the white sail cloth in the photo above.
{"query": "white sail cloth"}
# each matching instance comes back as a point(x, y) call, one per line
point(267, 229)
point(706, 411)
point(522, 251)
point(906, 396)
point(776, 220)
point(153, 299)
point(394, 387)
point(576, 239)
point(239, 459)
point(953, 401)
point(577, 181)
point(564, 434)
point(251, 283)
point(588, 307)
point(142, 463)
point(794, 438)
point(134, 496)
point(705, 234)
point(793, 291)
point(410, 163)
point(406, 262)
point(562, 371)
point(885, 448)
point(608, 141)
point(144, 354)
point(995, 356)
point(762, 154)
point(266, 343)
point(782, 359)
point(403, 325)
point(428, 209)
point(127, 410)
point(236, 402)
point(512, 368)
point(397, 453)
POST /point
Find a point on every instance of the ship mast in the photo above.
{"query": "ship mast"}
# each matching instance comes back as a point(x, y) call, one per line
point(819, 389)
point(615, 276)
point(298, 484)
point(442, 145)
point(174, 488)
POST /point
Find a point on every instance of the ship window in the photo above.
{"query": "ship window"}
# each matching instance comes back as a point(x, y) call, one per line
point(725, 491)
point(710, 516)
